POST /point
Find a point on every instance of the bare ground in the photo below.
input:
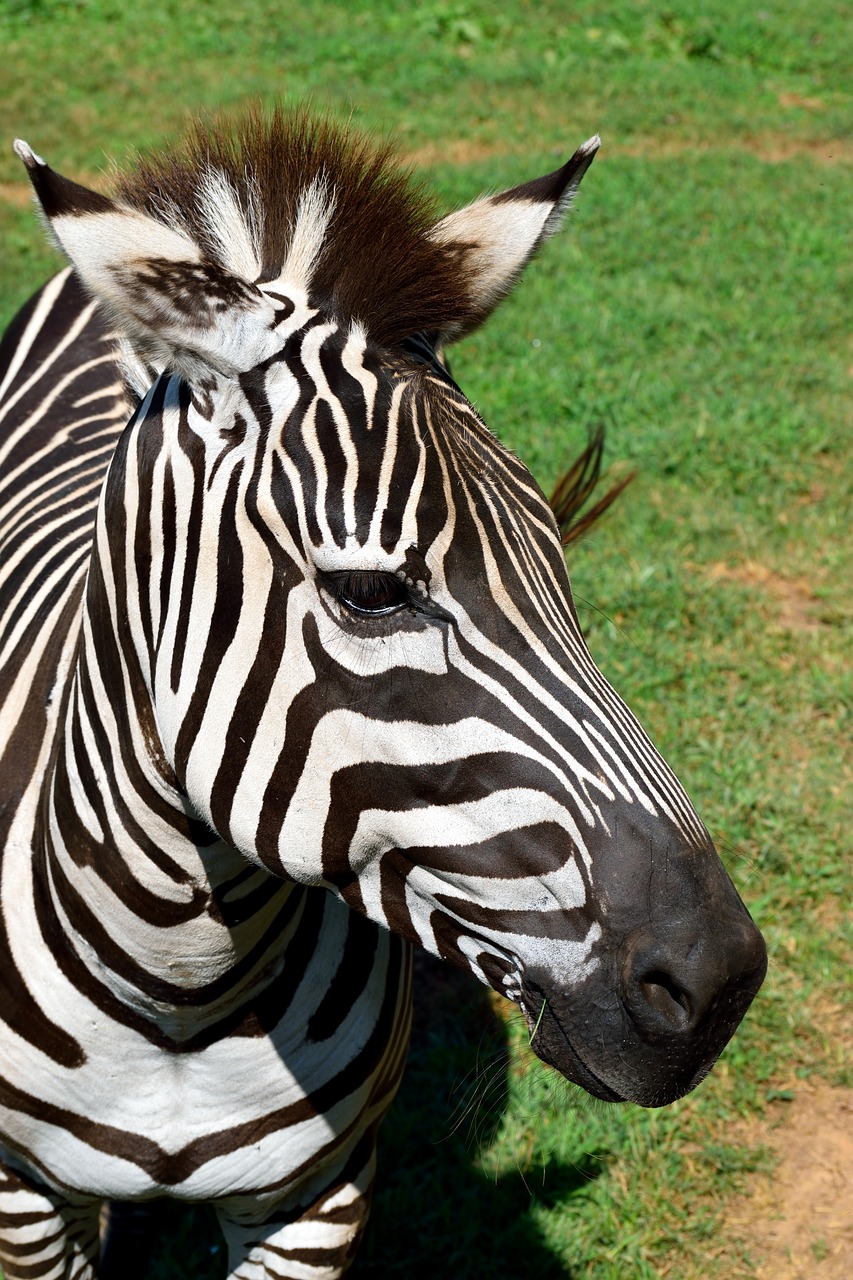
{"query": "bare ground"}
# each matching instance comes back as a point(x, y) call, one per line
point(771, 147)
point(798, 1222)
point(793, 596)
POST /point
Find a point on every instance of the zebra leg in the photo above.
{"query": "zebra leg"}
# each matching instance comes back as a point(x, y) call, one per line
point(314, 1243)
point(45, 1235)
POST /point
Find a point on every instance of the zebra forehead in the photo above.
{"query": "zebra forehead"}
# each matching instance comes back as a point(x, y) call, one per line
point(268, 195)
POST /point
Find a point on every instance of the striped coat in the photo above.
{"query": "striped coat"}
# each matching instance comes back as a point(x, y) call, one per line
point(292, 680)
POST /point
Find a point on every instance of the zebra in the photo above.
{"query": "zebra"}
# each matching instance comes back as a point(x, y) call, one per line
point(292, 681)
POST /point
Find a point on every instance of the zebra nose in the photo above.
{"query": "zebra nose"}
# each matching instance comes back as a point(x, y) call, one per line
point(672, 983)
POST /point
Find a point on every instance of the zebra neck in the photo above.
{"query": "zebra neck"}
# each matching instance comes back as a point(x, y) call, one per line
point(196, 933)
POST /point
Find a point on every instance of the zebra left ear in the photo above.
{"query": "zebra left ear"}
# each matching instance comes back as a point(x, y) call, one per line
point(178, 307)
point(503, 232)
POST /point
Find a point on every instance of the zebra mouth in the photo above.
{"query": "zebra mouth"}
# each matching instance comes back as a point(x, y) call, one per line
point(549, 1042)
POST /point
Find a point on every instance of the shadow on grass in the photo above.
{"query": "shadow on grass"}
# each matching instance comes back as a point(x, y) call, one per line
point(435, 1213)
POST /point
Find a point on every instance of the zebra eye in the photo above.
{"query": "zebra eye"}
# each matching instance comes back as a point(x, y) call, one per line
point(370, 594)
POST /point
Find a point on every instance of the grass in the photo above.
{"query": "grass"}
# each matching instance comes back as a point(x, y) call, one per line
point(697, 305)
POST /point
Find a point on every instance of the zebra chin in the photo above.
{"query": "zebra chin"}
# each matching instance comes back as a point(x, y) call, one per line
point(627, 1073)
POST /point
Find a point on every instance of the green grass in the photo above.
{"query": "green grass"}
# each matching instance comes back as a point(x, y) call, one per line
point(697, 305)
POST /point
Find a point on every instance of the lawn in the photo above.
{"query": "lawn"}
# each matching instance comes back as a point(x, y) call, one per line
point(697, 305)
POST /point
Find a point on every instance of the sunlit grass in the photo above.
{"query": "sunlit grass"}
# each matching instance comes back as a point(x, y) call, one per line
point(698, 305)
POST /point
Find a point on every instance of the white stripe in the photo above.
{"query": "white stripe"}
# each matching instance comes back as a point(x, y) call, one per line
point(45, 305)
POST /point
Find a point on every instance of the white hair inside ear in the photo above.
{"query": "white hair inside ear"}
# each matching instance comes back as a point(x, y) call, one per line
point(502, 232)
point(502, 237)
point(177, 307)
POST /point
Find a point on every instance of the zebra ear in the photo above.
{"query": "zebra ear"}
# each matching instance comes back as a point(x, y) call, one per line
point(177, 307)
point(503, 232)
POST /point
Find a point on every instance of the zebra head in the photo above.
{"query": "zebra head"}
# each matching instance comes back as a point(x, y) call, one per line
point(341, 606)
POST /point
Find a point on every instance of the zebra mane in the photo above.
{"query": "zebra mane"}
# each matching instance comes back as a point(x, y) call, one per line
point(290, 188)
point(576, 487)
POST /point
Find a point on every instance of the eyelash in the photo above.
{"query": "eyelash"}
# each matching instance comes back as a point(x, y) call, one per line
point(369, 593)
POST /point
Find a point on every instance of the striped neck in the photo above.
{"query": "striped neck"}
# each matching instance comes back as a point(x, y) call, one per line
point(195, 931)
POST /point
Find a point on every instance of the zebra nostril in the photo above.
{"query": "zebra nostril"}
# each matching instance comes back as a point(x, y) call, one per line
point(665, 997)
point(666, 986)
point(677, 980)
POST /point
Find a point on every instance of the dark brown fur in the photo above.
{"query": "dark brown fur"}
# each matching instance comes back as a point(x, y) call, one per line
point(378, 264)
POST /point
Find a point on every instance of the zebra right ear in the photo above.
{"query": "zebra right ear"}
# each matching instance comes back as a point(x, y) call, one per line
point(501, 233)
point(175, 305)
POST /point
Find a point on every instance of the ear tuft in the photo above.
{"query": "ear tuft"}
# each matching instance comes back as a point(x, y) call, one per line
point(58, 196)
point(24, 152)
point(558, 188)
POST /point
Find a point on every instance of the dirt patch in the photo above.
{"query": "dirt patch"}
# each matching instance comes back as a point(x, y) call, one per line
point(17, 194)
point(459, 152)
point(798, 1223)
point(798, 101)
point(773, 148)
point(794, 597)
